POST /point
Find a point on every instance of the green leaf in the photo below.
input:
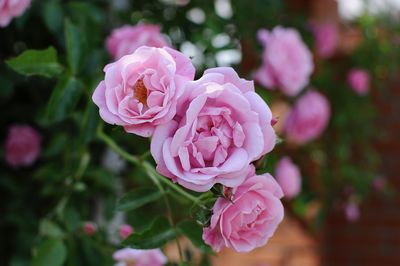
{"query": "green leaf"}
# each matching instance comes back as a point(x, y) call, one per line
point(159, 233)
point(50, 229)
point(89, 123)
point(51, 252)
point(75, 44)
point(63, 99)
point(137, 198)
point(37, 62)
point(194, 232)
point(52, 13)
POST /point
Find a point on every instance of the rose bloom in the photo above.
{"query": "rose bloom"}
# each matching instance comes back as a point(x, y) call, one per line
point(126, 39)
point(288, 176)
point(140, 90)
point(358, 80)
point(125, 230)
point(308, 118)
point(221, 126)
point(326, 38)
point(250, 219)
point(142, 257)
point(10, 9)
point(89, 228)
point(22, 146)
point(286, 61)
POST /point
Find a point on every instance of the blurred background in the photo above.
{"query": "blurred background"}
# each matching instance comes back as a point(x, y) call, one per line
point(347, 211)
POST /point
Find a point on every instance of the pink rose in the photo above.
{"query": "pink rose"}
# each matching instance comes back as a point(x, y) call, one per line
point(141, 90)
point(22, 145)
point(126, 39)
point(142, 257)
point(358, 80)
point(125, 230)
point(287, 62)
point(10, 9)
point(288, 176)
point(250, 219)
point(221, 126)
point(326, 38)
point(308, 118)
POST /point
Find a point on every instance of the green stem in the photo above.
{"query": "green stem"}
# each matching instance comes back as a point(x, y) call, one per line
point(154, 176)
point(146, 165)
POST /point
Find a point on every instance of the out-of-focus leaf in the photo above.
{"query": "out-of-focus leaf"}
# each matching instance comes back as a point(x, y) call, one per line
point(51, 252)
point(53, 15)
point(49, 229)
point(137, 198)
point(194, 232)
point(37, 62)
point(63, 99)
point(159, 233)
point(75, 43)
point(89, 123)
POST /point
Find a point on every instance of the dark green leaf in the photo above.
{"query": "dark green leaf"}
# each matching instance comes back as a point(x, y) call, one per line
point(52, 14)
point(137, 198)
point(89, 123)
point(63, 99)
point(37, 62)
point(75, 43)
point(159, 233)
point(194, 232)
point(51, 252)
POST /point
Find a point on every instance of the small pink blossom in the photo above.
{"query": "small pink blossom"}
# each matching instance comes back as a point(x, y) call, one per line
point(358, 80)
point(288, 176)
point(221, 126)
point(308, 118)
point(286, 61)
point(10, 9)
point(126, 39)
point(125, 230)
point(142, 257)
point(140, 91)
point(22, 146)
point(89, 228)
point(352, 211)
point(250, 219)
point(326, 38)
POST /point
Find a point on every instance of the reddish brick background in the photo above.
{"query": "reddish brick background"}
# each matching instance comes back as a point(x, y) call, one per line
point(374, 240)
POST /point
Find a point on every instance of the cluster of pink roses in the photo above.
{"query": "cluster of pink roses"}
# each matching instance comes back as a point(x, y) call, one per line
point(204, 132)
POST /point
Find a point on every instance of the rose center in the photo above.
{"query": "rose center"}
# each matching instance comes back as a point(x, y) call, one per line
point(140, 92)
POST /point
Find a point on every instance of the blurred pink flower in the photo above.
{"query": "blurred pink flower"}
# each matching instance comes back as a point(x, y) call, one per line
point(10, 9)
point(221, 126)
point(125, 230)
point(288, 176)
point(308, 118)
point(126, 39)
point(250, 219)
point(358, 80)
point(89, 228)
point(287, 62)
point(142, 257)
point(140, 91)
point(22, 146)
point(352, 211)
point(326, 38)
point(379, 183)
